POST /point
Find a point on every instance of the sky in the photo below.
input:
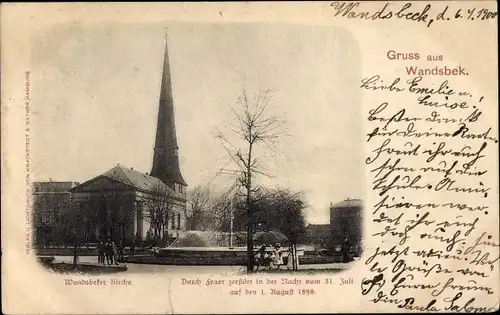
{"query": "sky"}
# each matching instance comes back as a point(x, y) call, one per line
point(95, 91)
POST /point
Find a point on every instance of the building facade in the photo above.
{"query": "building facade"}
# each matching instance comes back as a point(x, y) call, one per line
point(346, 221)
point(51, 202)
point(123, 204)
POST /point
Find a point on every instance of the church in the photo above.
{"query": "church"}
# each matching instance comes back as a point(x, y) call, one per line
point(124, 204)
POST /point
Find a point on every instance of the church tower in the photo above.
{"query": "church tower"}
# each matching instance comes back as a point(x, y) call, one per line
point(165, 158)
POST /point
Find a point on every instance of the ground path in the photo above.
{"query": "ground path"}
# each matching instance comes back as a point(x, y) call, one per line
point(172, 269)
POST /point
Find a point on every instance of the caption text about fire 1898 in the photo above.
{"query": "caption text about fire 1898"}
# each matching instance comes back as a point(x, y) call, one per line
point(285, 286)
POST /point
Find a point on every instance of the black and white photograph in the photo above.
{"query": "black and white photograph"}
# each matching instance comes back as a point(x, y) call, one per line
point(207, 148)
point(249, 157)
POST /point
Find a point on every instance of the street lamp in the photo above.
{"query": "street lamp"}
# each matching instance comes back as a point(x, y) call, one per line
point(231, 225)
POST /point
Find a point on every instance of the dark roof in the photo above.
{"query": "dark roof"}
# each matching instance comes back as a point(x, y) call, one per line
point(349, 203)
point(270, 237)
point(139, 180)
point(133, 178)
point(52, 186)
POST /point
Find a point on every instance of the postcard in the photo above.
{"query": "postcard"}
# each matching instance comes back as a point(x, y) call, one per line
point(253, 157)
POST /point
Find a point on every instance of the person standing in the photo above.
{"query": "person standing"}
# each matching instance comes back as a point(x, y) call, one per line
point(121, 249)
point(262, 256)
point(109, 253)
point(132, 249)
point(278, 260)
point(290, 261)
point(100, 253)
point(114, 252)
point(346, 247)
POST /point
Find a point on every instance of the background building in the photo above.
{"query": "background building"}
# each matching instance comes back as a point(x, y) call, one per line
point(346, 222)
point(51, 202)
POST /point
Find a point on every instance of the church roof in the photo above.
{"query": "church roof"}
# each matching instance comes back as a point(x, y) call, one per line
point(139, 180)
point(165, 153)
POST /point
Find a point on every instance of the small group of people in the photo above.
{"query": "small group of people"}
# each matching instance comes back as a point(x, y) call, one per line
point(110, 253)
point(270, 259)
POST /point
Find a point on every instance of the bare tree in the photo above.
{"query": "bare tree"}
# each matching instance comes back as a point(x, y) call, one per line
point(159, 208)
point(199, 202)
point(120, 214)
point(219, 214)
point(75, 220)
point(209, 209)
point(250, 137)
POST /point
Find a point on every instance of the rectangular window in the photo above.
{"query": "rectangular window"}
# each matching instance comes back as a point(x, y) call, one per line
point(173, 223)
point(45, 218)
point(139, 219)
point(178, 221)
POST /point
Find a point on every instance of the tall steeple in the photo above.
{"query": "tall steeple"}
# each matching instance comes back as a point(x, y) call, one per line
point(165, 158)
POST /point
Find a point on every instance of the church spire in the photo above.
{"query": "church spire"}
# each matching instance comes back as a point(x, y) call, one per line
point(165, 158)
